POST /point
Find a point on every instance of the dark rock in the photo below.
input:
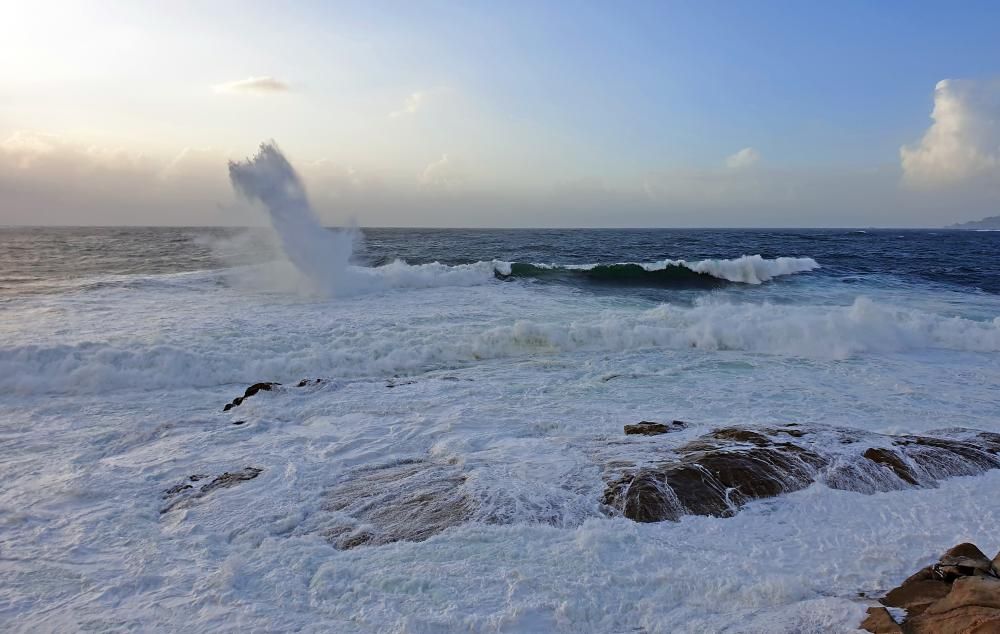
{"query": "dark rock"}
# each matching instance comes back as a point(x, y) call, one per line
point(174, 490)
point(228, 479)
point(893, 461)
point(239, 422)
point(725, 469)
point(741, 435)
point(715, 482)
point(305, 382)
point(223, 481)
point(649, 428)
point(250, 391)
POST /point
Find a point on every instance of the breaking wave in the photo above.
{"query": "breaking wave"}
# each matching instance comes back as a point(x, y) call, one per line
point(384, 349)
point(748, 269)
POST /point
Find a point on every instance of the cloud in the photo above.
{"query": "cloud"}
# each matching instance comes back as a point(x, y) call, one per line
point(414, 101)
point(746, 157)
point(253, 85)
point(963, 143)
point(443, 174)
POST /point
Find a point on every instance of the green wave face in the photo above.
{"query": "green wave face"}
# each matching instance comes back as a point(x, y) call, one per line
point(672, 276)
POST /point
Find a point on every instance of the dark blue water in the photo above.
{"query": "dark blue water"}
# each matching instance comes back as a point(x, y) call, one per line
point(961, 260)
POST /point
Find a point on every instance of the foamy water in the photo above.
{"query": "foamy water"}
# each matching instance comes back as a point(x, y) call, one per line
point(113, 386)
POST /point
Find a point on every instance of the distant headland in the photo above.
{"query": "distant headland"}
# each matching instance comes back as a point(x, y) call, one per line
point(991, 222)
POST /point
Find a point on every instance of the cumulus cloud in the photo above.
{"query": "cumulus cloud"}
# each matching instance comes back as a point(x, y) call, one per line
point(746, 157)
point(963, 142)
point(414, 101)
point(253, 85)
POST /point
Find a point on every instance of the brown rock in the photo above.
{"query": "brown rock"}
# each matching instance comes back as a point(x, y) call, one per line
point(879, 621)
point(972, 606)
point(649, 428)
point(892, 460)
point(916, 593)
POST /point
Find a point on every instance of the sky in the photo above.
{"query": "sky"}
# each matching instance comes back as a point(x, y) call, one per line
point(486, 114)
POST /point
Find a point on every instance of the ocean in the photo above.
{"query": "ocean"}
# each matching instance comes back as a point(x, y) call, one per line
point(473, 388)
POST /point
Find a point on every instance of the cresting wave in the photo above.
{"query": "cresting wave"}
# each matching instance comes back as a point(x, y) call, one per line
point(384, 349)
point(748, 269)
point(322, 256)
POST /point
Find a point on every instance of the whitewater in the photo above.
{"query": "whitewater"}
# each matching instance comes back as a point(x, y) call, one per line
point(500, 366)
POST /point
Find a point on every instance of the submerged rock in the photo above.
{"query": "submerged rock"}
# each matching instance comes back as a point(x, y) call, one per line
point(961, 593)
point(226, 480)
point(409, 500)
point(726, 468)
point(649, 428)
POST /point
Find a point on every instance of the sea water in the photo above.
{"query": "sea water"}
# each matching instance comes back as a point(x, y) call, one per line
point(514, 356)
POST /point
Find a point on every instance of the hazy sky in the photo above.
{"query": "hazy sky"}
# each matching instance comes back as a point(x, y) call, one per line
point(505, 113)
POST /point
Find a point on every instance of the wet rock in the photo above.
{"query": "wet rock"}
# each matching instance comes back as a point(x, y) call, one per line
point(305, 382)
point(410, 500)
point(714, 482)
point(174, 490)
point(250, 391)
point(228, 479)
point(718, 472)
point(892, 461)
point(879, 621)
point(649, 428)
point(185, 494)
point(961, 593)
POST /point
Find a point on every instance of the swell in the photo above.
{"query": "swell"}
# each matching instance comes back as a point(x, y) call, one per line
point(747, 269)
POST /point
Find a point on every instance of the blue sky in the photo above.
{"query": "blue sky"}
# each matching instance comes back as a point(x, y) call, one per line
point(504, 102)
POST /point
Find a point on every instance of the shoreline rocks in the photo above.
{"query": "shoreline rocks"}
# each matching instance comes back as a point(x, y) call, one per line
point(959, 594)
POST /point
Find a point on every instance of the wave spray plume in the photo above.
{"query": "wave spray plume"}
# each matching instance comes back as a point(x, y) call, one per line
point(319, 254)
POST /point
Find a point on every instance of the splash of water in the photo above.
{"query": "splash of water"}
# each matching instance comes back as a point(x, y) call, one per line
point(319, 254)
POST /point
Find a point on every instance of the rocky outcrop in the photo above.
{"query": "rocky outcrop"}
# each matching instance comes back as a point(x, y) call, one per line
point(184, 494)
point(959, 594)
point(649, 428)
point(253, 389)
point(265, 386)
point(721, 471)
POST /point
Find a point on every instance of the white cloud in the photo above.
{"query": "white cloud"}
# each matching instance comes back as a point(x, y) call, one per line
point(253, 85)
point(963, 143)
point(746, 157)
point(414, 101)
point(444, 174)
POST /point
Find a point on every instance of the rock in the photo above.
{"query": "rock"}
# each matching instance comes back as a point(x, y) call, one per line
point(996, 565)
point(879, 621)
point(250, 391)
point(718, 472)
point(972, 605)
point(223, 481)
point(714, 482)
point(959, 594)
point(893, 461)
point(649, 428)
point(228, 479)
point(918, 592)
point(409, 500)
